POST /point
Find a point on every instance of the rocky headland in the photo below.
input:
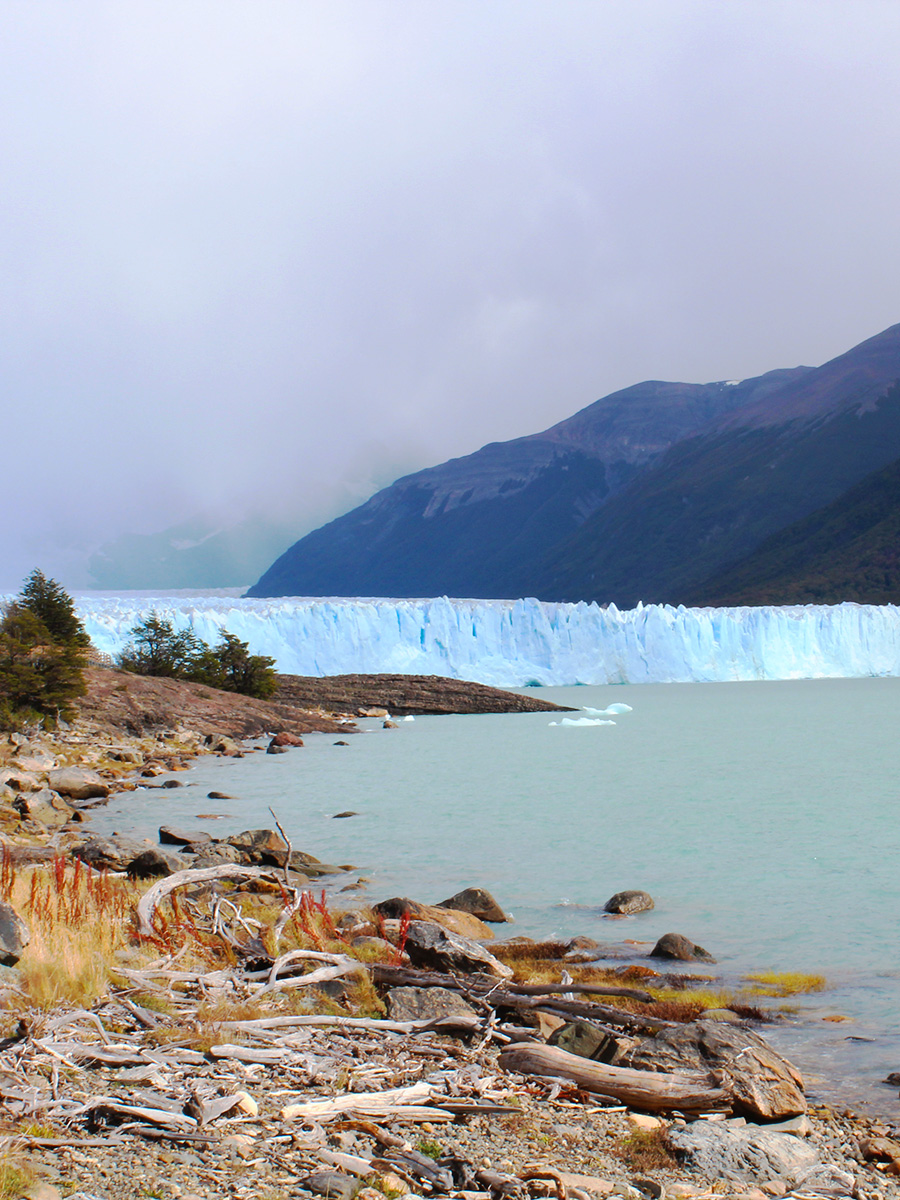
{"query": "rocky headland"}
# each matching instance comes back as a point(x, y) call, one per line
point(197, 1018)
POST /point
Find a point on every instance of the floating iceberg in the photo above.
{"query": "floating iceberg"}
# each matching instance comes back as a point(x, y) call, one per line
point(515, 643)
point(581, 721)
point(612, 710)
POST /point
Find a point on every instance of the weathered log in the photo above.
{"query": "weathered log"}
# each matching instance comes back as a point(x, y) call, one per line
point(151, 898)
point(410, 977)
point(689, 1092)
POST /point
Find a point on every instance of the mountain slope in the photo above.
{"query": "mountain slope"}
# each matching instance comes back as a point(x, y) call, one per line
point(475, 525)
point(711, 499)
point(848, 550)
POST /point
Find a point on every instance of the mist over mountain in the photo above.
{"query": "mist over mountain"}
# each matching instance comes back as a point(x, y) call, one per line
point(643, 495)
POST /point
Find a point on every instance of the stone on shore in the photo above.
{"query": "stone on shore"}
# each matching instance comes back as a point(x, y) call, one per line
point(437, 949)
point(155, 863)
point(675, 945)
point(44, 807)
point(14, 935)
point(109, 854)
point(462, 923)
point(77, 783)
point(764, 1086)
point(625, 903)
point(426, 1004)
point(478, 902)
point(743, 1153)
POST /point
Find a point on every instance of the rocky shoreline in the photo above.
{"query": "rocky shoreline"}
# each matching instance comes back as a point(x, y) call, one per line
point(421, 1059)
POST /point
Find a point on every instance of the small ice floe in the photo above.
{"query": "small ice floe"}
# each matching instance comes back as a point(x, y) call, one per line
point(581, 721)
point(613, 710)
point(408, 718)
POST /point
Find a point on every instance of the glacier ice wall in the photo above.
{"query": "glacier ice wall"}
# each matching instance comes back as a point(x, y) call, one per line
point(510, 643)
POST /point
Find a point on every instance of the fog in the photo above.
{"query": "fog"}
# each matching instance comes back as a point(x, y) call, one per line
point(268, 256)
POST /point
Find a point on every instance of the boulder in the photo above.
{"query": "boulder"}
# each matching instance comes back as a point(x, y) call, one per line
point(764, 1086)
point(218, 796)
point(437, 949)
point(260, 846)
point(110, 854)
point(77, 783)
point(217, 854)
point(172, 835)
point(283, 741)
point(44, 807)
point(155, 864)
point(372, 712)
point(675, 945)
point(341, 815)
point(219, 743)
point(478, 902)
point(462, 923)
point(172, 783)
point(626, 903)
point(14, 935)
point(21, 781)
point(743, 1153)
point(334, 1185)
point(426, 1004)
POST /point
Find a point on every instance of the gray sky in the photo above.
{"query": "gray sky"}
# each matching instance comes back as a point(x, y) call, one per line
point(275, 254)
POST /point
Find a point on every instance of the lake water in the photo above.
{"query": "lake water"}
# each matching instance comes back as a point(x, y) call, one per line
point(764, 819)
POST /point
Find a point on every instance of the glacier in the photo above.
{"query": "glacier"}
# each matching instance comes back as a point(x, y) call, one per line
point(514, 643)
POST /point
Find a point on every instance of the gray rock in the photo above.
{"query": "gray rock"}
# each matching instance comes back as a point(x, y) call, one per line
point(218, 796)
point(743, 1154)
point(172, 783)
point(260, 846)
point(172, 835)
point(763, 1085)
point(426, 1004)
point(77, 783)
point(111, 854)
point(14, 935)
point(155, 864)
point(625, 903)
point(45, 807)
point(675, 945)
point(828, 1177)
point(219, 743)
point(435, 948)
point(217, 855)
point(478, 902)
point(331, 1184)
point(585, 1040)
point(341, 815)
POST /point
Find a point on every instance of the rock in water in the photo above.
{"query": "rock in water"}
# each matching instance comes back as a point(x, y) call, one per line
point(462, 923)
point(675, 945)
point(155, 863)
point(172, 835)
point(764, 1086)
point(14, 935)
point(478, 902)
point(625, 903)
point(437, 949)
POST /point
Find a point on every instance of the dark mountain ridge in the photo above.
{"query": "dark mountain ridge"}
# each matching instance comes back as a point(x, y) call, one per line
point(646, 494)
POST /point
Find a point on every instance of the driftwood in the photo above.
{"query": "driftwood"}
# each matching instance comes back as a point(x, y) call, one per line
point(151, 898)
point(476, 984)
point(690, 1092)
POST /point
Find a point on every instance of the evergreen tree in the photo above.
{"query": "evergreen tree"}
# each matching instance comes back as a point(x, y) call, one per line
point(52, 605)
point(39, 676)
point(157, 649)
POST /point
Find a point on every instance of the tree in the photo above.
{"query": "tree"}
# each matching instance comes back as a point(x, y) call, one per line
point(234, 669)
point(39, 676)
point(52, 605)
point(157, 649)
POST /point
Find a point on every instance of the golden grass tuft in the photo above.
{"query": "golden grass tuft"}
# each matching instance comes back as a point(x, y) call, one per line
point(785, 983)
point(646, 1150)
point(15, 1178)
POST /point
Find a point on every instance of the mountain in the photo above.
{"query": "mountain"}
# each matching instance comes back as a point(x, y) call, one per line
point(199, 553)
point(648, 494)
point(474, 526)
point(848, 550)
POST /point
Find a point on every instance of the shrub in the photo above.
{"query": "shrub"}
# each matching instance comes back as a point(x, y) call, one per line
point(157, 649)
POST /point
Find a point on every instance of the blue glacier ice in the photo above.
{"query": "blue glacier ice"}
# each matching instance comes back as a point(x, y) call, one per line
point(511, 643)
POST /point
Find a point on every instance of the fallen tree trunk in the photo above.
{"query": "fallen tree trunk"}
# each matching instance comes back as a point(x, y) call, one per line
point(151, 898)
point(651, 1090)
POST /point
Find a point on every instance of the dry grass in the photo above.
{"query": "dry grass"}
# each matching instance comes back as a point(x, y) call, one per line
point(15, 1178)
point(646, 1150)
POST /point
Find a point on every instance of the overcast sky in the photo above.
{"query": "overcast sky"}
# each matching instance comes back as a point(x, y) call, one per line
point(272, 255)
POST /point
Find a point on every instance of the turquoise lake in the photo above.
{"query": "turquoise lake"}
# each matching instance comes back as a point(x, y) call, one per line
point(764, 819)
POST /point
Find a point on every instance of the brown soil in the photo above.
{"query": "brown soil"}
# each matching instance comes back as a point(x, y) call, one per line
point(405, 695)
